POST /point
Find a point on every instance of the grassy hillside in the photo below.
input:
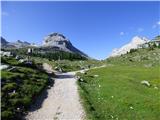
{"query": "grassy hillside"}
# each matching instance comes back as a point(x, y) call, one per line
point(20, 85)
point(115, 92)
point(139, 57)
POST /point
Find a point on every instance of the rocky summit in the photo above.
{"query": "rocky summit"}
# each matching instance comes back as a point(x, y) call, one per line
point(58, 41)
point(134, 44)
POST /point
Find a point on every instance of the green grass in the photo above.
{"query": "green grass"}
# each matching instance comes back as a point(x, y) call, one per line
point(118, 89)
point(20, 88)
point(67, 65)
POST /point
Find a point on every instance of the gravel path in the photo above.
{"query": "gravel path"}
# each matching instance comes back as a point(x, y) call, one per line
point(60, 102)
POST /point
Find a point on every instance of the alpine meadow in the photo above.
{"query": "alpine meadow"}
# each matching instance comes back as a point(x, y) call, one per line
point(80, 60)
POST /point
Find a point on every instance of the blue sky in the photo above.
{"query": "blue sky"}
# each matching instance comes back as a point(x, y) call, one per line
point(94, 27)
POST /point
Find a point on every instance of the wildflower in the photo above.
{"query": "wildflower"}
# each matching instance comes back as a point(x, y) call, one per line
point(131, 107)
point(112, 116)
point(96, 75)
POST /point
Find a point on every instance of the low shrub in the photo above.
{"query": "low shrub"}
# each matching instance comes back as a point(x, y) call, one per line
point(6, 115)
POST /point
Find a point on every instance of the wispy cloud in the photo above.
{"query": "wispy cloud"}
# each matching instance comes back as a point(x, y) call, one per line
point(121, 33)
point(4, 13)
point(140, 29)
point(156, 25)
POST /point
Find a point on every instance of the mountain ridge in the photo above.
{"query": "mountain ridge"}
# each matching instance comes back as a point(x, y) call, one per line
point(52, 42)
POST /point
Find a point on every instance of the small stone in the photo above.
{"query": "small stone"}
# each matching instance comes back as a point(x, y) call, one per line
point(144, 82)
point(21, 60)
point(81, 79)
point(14, 91)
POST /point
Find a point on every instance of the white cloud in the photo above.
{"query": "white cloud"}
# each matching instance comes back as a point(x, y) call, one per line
point(121, 33)
point(4, 13)
point(140, 29)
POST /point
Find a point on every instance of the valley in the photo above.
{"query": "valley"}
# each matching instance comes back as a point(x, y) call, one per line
point(47, 83)
point(80, 60)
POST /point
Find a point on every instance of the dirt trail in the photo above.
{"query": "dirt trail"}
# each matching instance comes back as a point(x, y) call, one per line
point(60, 102)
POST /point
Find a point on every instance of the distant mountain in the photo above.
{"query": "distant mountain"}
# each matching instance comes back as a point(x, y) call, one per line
point(54, 42)
point(20, 44)
point(57, 41)
point(17, 44)
point(3, 42)
point(135, 42)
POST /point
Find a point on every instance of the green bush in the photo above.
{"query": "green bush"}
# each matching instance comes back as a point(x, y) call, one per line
point(133, 50)
point(6, 115)
point(9, 87)
point(14, 95)
point(26, 101)
point(15, 102)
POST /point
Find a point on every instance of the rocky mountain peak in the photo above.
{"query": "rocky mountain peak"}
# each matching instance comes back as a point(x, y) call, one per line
point(58, 41)
point(54, 38)
point(135, 42)
point(139, 40)
point(19, 41)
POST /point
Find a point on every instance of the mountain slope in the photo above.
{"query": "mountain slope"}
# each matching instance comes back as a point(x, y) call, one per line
point(135, 42)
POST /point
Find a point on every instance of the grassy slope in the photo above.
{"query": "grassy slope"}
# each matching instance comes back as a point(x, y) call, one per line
point(27, 83)
point(118, 93)
point(68, 65)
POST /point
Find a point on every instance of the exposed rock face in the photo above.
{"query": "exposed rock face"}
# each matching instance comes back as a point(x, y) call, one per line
point(134, 44)
point(60, 42)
